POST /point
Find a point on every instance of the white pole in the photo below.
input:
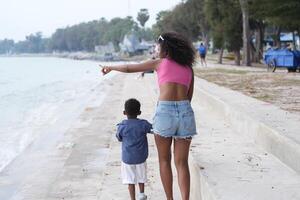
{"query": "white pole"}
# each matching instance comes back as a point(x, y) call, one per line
point(129, 8)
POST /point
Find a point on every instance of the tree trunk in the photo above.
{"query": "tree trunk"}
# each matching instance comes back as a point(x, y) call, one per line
point(246, 32)
point(253, 52)
point(206, 41)
point(257, 47)
point(252, 47)
point(205, 38)
point(294, 41)
point(277, 37)
point(259, 37)
point(298, 34)
point(261, 41)
point(237, 58)
point(220, 56)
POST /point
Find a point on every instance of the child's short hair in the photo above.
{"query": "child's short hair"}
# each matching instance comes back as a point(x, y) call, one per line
point(132, 107)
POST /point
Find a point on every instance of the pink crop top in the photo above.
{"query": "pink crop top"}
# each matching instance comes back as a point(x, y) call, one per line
point(170, 71)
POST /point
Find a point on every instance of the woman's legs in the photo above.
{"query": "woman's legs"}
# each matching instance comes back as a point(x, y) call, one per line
point(164, 156)
point(181, 154)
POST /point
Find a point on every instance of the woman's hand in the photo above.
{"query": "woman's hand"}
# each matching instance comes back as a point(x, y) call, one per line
point(105, 69)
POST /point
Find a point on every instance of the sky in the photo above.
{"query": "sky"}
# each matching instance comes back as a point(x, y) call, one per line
point(19, 18)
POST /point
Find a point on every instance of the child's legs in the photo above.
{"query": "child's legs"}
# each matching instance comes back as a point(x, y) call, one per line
point(129, 178)
point(131, 188)
point(142, 187)
point(141, 175)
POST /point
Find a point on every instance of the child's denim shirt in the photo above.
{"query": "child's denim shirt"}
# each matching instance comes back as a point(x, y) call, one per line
point(133, 135)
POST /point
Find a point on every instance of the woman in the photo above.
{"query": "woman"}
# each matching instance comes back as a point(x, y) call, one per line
point(174, 118)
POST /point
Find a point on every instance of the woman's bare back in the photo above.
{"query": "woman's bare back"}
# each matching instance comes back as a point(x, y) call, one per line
point(173, 92)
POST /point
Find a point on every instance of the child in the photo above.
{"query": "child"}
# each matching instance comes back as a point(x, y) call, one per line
point(132, 132)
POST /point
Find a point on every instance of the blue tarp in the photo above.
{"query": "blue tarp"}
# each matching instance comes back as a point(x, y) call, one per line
point(283, 57)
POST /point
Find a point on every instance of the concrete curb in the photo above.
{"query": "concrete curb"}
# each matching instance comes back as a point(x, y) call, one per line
point(200, 189)
point(276, 133)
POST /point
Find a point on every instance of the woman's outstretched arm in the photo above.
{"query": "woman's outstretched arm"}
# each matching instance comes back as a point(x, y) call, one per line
point(131, 68)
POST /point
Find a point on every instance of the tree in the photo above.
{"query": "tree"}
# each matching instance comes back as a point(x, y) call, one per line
point(246, 32)
point(233, 28)
point(118, 28)
point(6, 46)
point(146, 34)
point(277, 14)
point(186, 18)
point(143, 16)
point(85, 36)
point(225, 19)
point(159, 27)
point(213, 11)
point(196, 13)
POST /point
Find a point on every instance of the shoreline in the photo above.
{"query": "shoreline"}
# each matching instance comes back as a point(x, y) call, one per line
point(34, 106)
point(80, 56)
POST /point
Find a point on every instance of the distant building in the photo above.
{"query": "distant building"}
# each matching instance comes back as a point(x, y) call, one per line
point(104, 49)
point(131, 45)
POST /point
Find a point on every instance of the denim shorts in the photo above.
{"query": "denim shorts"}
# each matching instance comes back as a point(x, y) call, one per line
point(174, 119)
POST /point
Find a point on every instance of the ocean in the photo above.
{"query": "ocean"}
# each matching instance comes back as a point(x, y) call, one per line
point(39, 95)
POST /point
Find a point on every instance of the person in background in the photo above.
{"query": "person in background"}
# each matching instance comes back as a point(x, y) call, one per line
point(202, 53)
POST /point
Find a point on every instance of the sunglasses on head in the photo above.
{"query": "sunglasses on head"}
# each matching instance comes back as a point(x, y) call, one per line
point(160, 39)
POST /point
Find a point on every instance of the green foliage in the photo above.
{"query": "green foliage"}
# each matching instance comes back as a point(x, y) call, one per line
point(225, 19)
point(233, 30)
point(283, 13)
point(118, 28)
point(34, 43)
point(186, 18)
point(143, 16)
point(158, 28)
point(85, 36)
point(80, 37)
point(6, 46)
point(215, 16)
point(146, 34)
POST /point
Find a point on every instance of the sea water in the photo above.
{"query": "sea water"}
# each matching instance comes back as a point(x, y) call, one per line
point(38, 94)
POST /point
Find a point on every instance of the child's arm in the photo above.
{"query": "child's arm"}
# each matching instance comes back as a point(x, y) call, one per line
point(119, 137)
point(119, 133)
point(148, 127)
point(131, 68)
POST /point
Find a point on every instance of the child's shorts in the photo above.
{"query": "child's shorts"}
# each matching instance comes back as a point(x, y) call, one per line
point(174, 119)
point(133, 174)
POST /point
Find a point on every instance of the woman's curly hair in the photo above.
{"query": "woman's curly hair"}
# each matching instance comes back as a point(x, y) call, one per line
point(177, 47)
